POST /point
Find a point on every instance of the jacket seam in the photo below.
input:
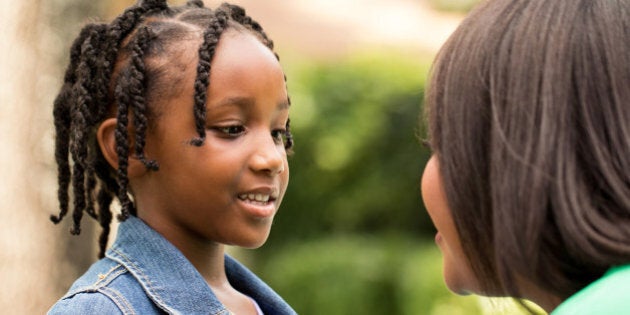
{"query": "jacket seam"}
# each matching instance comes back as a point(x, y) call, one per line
point(103, 281)
point(123, 305)
point(110, 276)
point(143, 279)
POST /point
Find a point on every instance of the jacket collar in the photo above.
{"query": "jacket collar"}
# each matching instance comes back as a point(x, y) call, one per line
point(167, 277)
point(173, 283)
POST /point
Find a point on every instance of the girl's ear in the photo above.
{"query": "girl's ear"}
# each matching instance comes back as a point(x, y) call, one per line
point(106, 138)
point(105, 135)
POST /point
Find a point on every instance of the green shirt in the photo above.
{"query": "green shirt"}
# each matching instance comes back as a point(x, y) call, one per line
point(608, 295)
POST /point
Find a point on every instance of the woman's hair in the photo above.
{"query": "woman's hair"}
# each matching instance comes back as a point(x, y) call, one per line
point(123, 70)
point(529, 116)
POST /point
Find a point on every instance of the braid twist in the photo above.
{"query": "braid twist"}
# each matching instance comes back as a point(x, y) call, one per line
point(108, 189)
point(99, 100)
point(206, 52)
point(288, 144)
point(238, 14)
point(137, 90)
point(103, 70)
point(120, 28)
point(85, 90)
point(105, 219)
point(159, 5)
point(195, 3)
point(82, 118)
point(62, 106)
point(122, 149)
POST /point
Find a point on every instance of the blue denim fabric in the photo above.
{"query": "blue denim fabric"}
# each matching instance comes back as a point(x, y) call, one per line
point(143, 273)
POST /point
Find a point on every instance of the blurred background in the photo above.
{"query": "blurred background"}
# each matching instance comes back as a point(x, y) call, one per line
point(352, 236)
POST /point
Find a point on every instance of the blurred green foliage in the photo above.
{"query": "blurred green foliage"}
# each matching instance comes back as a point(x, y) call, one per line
point(352, 235)
point(380, 274)
point(357, 161)
point(460, 6)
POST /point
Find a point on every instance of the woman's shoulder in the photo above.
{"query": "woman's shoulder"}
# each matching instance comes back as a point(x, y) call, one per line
point(608, 295)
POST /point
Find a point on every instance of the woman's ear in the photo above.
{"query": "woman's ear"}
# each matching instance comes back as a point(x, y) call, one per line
point(106, 137)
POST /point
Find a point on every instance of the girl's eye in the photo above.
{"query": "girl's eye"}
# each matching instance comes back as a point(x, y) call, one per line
point(279, 136)
point(231, 131)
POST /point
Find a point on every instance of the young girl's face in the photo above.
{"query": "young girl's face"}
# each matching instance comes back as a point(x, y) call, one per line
point(227, 190)
point(457, 274)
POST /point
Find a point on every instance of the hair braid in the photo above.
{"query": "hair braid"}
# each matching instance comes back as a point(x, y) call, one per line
point(99, 108)
point(72, 124)
point(61, 113)
point(149, 5)
point(195, 3)
point(239, 15)
point(206, 53)
point(103, 75)
point(122, 148)
point(288, 144)
point(138, 70)
point(90, 187)
point(105, 219)
point(124, 24)
point(107, 191)
point(121, 28)
point(81, 121)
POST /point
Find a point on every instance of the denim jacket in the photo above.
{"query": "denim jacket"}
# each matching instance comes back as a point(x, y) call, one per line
point(143, 273)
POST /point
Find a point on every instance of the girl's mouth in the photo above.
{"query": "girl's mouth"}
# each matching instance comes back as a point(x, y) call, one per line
point(260, 204)
point(260, 199)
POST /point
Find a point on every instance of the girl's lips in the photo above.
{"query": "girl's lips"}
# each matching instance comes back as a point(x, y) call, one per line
point(260, 202)
point(258, 209)
point(263, 194)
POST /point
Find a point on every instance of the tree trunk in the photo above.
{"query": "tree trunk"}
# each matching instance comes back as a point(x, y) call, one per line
point(38, 260)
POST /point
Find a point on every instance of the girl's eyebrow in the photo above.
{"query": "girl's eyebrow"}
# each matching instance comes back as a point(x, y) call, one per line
point(245, 102)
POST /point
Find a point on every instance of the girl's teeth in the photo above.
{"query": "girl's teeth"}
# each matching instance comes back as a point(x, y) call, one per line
point(254, 197)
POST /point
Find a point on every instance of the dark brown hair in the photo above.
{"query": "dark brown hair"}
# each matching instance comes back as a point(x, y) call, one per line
point(529, 116)
point(114, 71)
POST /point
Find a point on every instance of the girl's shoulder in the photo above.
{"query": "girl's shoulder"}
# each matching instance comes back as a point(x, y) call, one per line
point(608, 295)
point(86, 303)
point(106, 288)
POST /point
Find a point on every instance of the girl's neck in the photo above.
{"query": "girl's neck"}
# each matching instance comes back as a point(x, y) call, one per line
point(209, 261)
point(206, 257)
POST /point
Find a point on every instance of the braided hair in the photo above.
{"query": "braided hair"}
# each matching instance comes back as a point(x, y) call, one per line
point(111, 75)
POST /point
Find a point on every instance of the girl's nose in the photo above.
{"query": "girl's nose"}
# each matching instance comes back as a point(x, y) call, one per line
point(268, 155)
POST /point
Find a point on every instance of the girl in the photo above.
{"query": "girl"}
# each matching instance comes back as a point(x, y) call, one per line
point(182, 115)
point(529, 184)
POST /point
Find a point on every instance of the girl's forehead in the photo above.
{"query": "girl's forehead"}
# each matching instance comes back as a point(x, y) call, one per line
point(245, 67)
point(240, 66)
